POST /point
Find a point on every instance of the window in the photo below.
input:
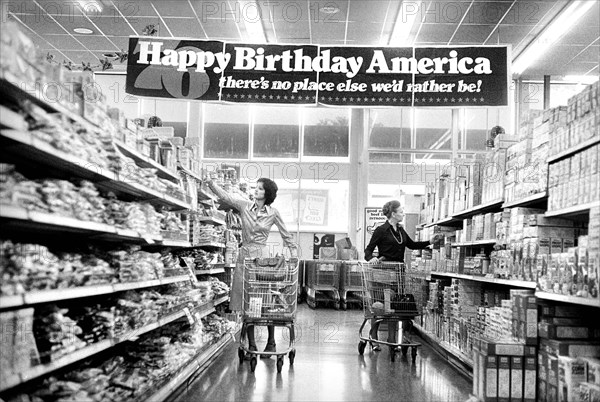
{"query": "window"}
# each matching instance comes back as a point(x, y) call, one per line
point(314, 206)
point(276, 132)
point(433, 128)
point(326, 132)
point(226, 131)
point(390, 129)
point(475, 124)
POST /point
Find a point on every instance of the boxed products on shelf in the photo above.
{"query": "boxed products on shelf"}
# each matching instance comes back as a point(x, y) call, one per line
point(574, 180)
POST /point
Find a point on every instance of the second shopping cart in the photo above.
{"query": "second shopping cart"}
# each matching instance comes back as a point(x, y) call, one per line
point(392, 294)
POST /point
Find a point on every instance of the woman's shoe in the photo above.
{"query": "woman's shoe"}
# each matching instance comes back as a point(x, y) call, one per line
point(251, 348)
point(271, 347)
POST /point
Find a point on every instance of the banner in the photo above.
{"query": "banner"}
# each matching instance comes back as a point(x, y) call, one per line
point(310, 75)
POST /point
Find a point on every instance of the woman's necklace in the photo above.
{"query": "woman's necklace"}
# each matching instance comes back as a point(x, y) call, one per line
point(397, 238)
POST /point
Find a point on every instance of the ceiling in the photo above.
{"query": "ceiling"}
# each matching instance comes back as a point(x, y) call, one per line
point(342, 22)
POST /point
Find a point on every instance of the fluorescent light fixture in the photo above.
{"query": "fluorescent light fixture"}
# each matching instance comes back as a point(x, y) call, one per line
point(83, 31)
point(557, 28)
point(252, 16)
point(90, 6)
point(581, 79)
point(409, 11)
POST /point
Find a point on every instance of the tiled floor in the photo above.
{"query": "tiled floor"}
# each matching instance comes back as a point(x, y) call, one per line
point(328, 368)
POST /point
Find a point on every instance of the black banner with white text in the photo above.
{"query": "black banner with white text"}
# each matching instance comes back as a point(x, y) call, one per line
point(310, 74)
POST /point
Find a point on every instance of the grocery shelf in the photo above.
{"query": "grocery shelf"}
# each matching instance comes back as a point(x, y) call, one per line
point(497, 281)
point(175, 243)
point(475, 243)
point(146, 162)
point(204, 195)
point(488, 206)
point(12, 120)
point(188, 172)
point(209, 244)
point(458, 359)
point(450, 221)
point(527, 201)
point(21, 218)
point(88, 351)
point(46, 296)
point(582, 209)
point(23, 146)
point(583, 301)
point(574, 149)
point(198, 362)
point(211, 219)
point(210, 271)
point(11, 90)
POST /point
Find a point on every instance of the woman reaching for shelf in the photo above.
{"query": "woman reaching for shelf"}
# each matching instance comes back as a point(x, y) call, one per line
point(258, 217)
point(391, 240)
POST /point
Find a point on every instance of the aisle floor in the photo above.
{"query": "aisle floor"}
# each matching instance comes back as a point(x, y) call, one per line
point(328, 368)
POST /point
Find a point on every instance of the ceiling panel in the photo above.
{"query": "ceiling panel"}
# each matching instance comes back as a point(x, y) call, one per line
point(377, 10)
point(180, 8)
point(41, 25)
point(439, 33)
point(70, 23)
point(78, 57)
point(508, 34)
point(488, 13)
point(96, 42)
point(444, 12)
point(297, 30)
point(114, 26)
point(325, 33)
point(368, 32)
point(471, 35)
point(288, 11)
point(64, 42)
point(185, 27)
point(219, 29)
point(137, 8)
point(122, 42)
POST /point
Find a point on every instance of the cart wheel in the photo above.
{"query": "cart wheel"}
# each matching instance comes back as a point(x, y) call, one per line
point(279, 363)
point(361, 347)
point(336, 304)
point(252, 364)
point(413, 353)
point(311, 303)
point(393, 353)
point(404, 350)
point(241, 355)
point(292, 356)
point(343, 305)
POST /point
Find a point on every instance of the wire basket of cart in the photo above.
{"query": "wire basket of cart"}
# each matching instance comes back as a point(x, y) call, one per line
point(270, 296)
point(323, 282)
point(392, 294)
point(351, 283)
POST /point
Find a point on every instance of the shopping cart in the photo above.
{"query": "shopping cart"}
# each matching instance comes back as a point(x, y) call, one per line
point(270, 296)
point(322, 282)
point(351, 283)
point(392, 294)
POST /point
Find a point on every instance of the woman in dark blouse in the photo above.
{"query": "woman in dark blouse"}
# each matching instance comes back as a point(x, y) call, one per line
point(391, 241)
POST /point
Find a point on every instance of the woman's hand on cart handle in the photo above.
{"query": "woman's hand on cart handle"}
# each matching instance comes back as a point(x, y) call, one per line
point(374, 260)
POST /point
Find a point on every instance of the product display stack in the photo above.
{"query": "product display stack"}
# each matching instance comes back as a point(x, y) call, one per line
point(529, 246)
point(94, 246)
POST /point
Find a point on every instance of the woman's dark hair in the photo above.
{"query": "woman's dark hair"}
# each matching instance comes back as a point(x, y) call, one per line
point(270, 189)
point(389, 208)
